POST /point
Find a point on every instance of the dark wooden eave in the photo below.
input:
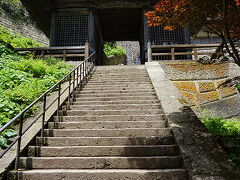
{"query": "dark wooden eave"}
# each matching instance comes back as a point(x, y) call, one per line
point(41, 10)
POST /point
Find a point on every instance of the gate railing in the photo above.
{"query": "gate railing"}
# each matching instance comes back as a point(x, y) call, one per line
point(58, 52)
point(75, 79)
point(170, 52)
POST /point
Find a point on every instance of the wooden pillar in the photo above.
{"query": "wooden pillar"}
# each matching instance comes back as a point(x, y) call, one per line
point(64, 55)
point(173, 53)
point(86, 52)
point(195, 54)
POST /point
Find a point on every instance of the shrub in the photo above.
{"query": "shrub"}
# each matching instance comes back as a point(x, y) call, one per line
point(113, 49)
point(23, 79)
point(236, 160)
point(219, 126)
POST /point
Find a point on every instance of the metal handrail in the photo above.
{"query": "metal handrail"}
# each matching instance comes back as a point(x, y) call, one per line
point(75, 79)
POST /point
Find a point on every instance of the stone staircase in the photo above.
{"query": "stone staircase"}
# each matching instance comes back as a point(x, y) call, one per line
point(115, 129)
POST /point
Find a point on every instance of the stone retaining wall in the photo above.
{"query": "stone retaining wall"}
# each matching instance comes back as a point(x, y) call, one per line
point(23, 28)
point(198, 83)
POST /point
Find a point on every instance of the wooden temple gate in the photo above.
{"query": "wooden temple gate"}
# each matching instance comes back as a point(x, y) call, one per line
point(73, 23)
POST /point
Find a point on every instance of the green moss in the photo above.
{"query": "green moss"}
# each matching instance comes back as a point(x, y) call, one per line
point(16, 9)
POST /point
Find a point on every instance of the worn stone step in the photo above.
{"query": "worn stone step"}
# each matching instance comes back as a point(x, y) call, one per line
point(105, 141)
point(118, 83)
point(101, 174)
point(116, 102)
point(106, 124)
point(122, 72)
point(117, 98)
point(110, 78)
point(142, 71)
point(158, 117)
point(116, 107)
point(103, 151)
point(110, 112)
point(131, 132)
point(98, 91)
point(156, 162)
point(118, 86)
point(115, 94)
point(146, 81)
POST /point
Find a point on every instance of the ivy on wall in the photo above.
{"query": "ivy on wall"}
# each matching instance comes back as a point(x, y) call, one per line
point(16, 9)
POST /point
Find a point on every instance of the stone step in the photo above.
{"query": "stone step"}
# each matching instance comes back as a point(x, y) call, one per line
point(156, 162)
point(107, 124)
point(142, 71)
point(119, 78)
point(117, 98)
point(103, 151)
point(115, 94)
point(118, 83)
point(118, 86)
point(123, 102)
point(101, 174)
point(105, 141)
point(116, 107)
point(110, 118)
point(110, 112)
point(131, 132)
point(99, 91)
point(122, 72)
point(110, 81)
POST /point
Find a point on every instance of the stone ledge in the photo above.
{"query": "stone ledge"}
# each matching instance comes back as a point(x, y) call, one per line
point(203, 157)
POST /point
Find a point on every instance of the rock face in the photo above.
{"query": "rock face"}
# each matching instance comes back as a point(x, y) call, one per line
point(115, 129)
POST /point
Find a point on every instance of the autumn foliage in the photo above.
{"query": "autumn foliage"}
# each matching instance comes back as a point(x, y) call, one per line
point(221, 17)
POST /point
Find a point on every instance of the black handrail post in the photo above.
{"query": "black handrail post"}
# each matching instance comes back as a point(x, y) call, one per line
point(69, 88)
point(80, 76)
point(19, 143)
point(77, 77)
point(59, 98)
point(74, 78)
point(83, 71)
point(43, 116)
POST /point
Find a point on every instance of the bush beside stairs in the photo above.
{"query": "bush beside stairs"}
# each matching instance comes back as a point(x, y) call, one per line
point(115, 129)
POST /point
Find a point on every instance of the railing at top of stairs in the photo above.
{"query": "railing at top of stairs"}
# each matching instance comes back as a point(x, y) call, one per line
point(170, 52)
point(75, 79)
point(58, 52)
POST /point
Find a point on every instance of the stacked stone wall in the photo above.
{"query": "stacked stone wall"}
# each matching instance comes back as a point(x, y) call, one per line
point(198, 83)
point(23, 28)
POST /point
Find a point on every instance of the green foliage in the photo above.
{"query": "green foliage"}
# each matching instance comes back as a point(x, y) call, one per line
point(16, 9)
point(16, 40)
point(112, 49)
point(23, 79)
point(219, 126)
point(238, 87)
point(236, 160)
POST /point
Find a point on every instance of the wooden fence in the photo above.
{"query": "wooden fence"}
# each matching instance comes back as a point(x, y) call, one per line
point(187, 50)
point(58, 52)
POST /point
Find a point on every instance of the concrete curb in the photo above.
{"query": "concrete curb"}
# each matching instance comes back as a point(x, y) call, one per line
point(203, 157)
